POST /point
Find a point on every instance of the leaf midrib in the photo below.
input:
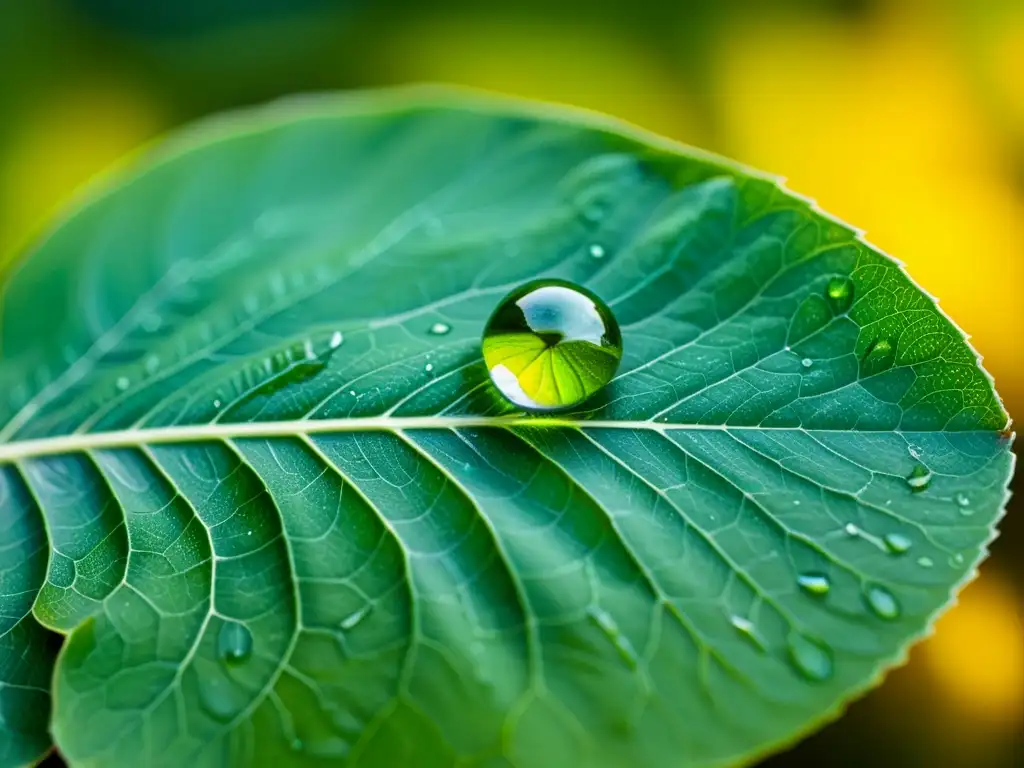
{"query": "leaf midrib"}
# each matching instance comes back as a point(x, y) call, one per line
point(14, 451)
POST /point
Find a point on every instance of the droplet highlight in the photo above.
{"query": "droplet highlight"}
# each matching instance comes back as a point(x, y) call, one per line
point(919, 478)
point(812, 658)
point(839, 294)
point(816, 584)
point(551, 345)
point(925, 562)
point(596, 251)
point(234, 643)
point(746, 628)
point(336, 340)
point(439, 329)
point(882, 602)
point(897, 543)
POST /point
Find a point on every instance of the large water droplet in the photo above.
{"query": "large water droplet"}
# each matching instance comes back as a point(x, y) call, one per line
point(812, 658)
point(218, 698)
point(439, 329)
point(234, 643)
point(550, 345)
point(897, 543)
point(920, 478)
point(882, 602)
point(814, 583)
point(839, 294)
point(746, 628)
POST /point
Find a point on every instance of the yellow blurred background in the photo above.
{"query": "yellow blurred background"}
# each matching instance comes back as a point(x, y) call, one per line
point(903, 117)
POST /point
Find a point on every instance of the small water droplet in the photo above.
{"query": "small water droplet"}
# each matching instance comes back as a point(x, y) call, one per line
point(882, 602)
point(597, 251)
point(151, 323)
point(956, 559)
point(336, 339)
point(812, 658)
point(851, 529)
point(439, 329)
point(925, 562)
point(964, 502)
point(352, 392)
point(807, 362)
point(428, 367)
point(919, 479)
point(123, 382)
point(746, 628)
point(353, 619)
point(814, 583)
point(332, 747)
point(839, 294)
point(897, 543)
point(234, 642)
point(216, 403)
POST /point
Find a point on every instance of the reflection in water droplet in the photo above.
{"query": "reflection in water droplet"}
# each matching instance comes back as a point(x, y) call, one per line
point(350, 621)
point(597, 251)
point(123, 382)
point(234, 642)
point(812, 658)
point(919, 479)
point(839, 294)
point(807, 362)
point(814, 583)
point(964, 502)
point(925, 562)
point(551, 345)
point(336, 339)
point(746, 628)
point(882, 602)
point(897, 543)
point(440, 329)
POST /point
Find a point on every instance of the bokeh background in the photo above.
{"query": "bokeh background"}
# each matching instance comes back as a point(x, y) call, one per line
point(904, 117)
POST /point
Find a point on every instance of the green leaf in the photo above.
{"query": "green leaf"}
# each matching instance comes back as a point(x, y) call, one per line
point(287, 518)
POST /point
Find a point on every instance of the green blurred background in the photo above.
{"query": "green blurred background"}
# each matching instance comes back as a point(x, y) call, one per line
point(904, 117)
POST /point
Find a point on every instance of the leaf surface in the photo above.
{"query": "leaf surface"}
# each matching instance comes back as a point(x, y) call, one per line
point(252, 466)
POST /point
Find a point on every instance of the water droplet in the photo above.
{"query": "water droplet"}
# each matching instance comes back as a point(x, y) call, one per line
point(882, 602)
point(428, 367)
point(234, 642)
point(746, 628)
point(439, 329)
point(152, 364)
point(839, 294)
point(336, 339)
point(919, 479)
point(925, 562)
point(964, 502)
point(151, 323)
point(851, 529)
point(218, 698)
point(216, 403)
point(597, 251)
point(877, 357)
point(551, 345)
point(897, 543)
point(123, 382)
point(353, 619)
point(814, 583)
point(807, 362)
point(956, 559)
point(812, 658)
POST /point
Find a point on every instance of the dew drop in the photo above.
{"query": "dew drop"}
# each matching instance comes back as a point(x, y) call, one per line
point(839, 294)
point(746, 628)
point(152, 364)
point(919, 479)
point(355, 618)
point(234, 643)
point(336, 339)
point(428, 367)
point(964, 502)
point(151, 323)
point(812, 658)
point(216, 403)
point(925, 562)
point(897, 543)
point(882, 602)
point(956, 559)
point(851, 529)
point(439, 329)
point(218, 698)
point(807, 362)
point(814, 583)
point(123, 382)
point(877, 357)
point(597, 251)
point(551, 345)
